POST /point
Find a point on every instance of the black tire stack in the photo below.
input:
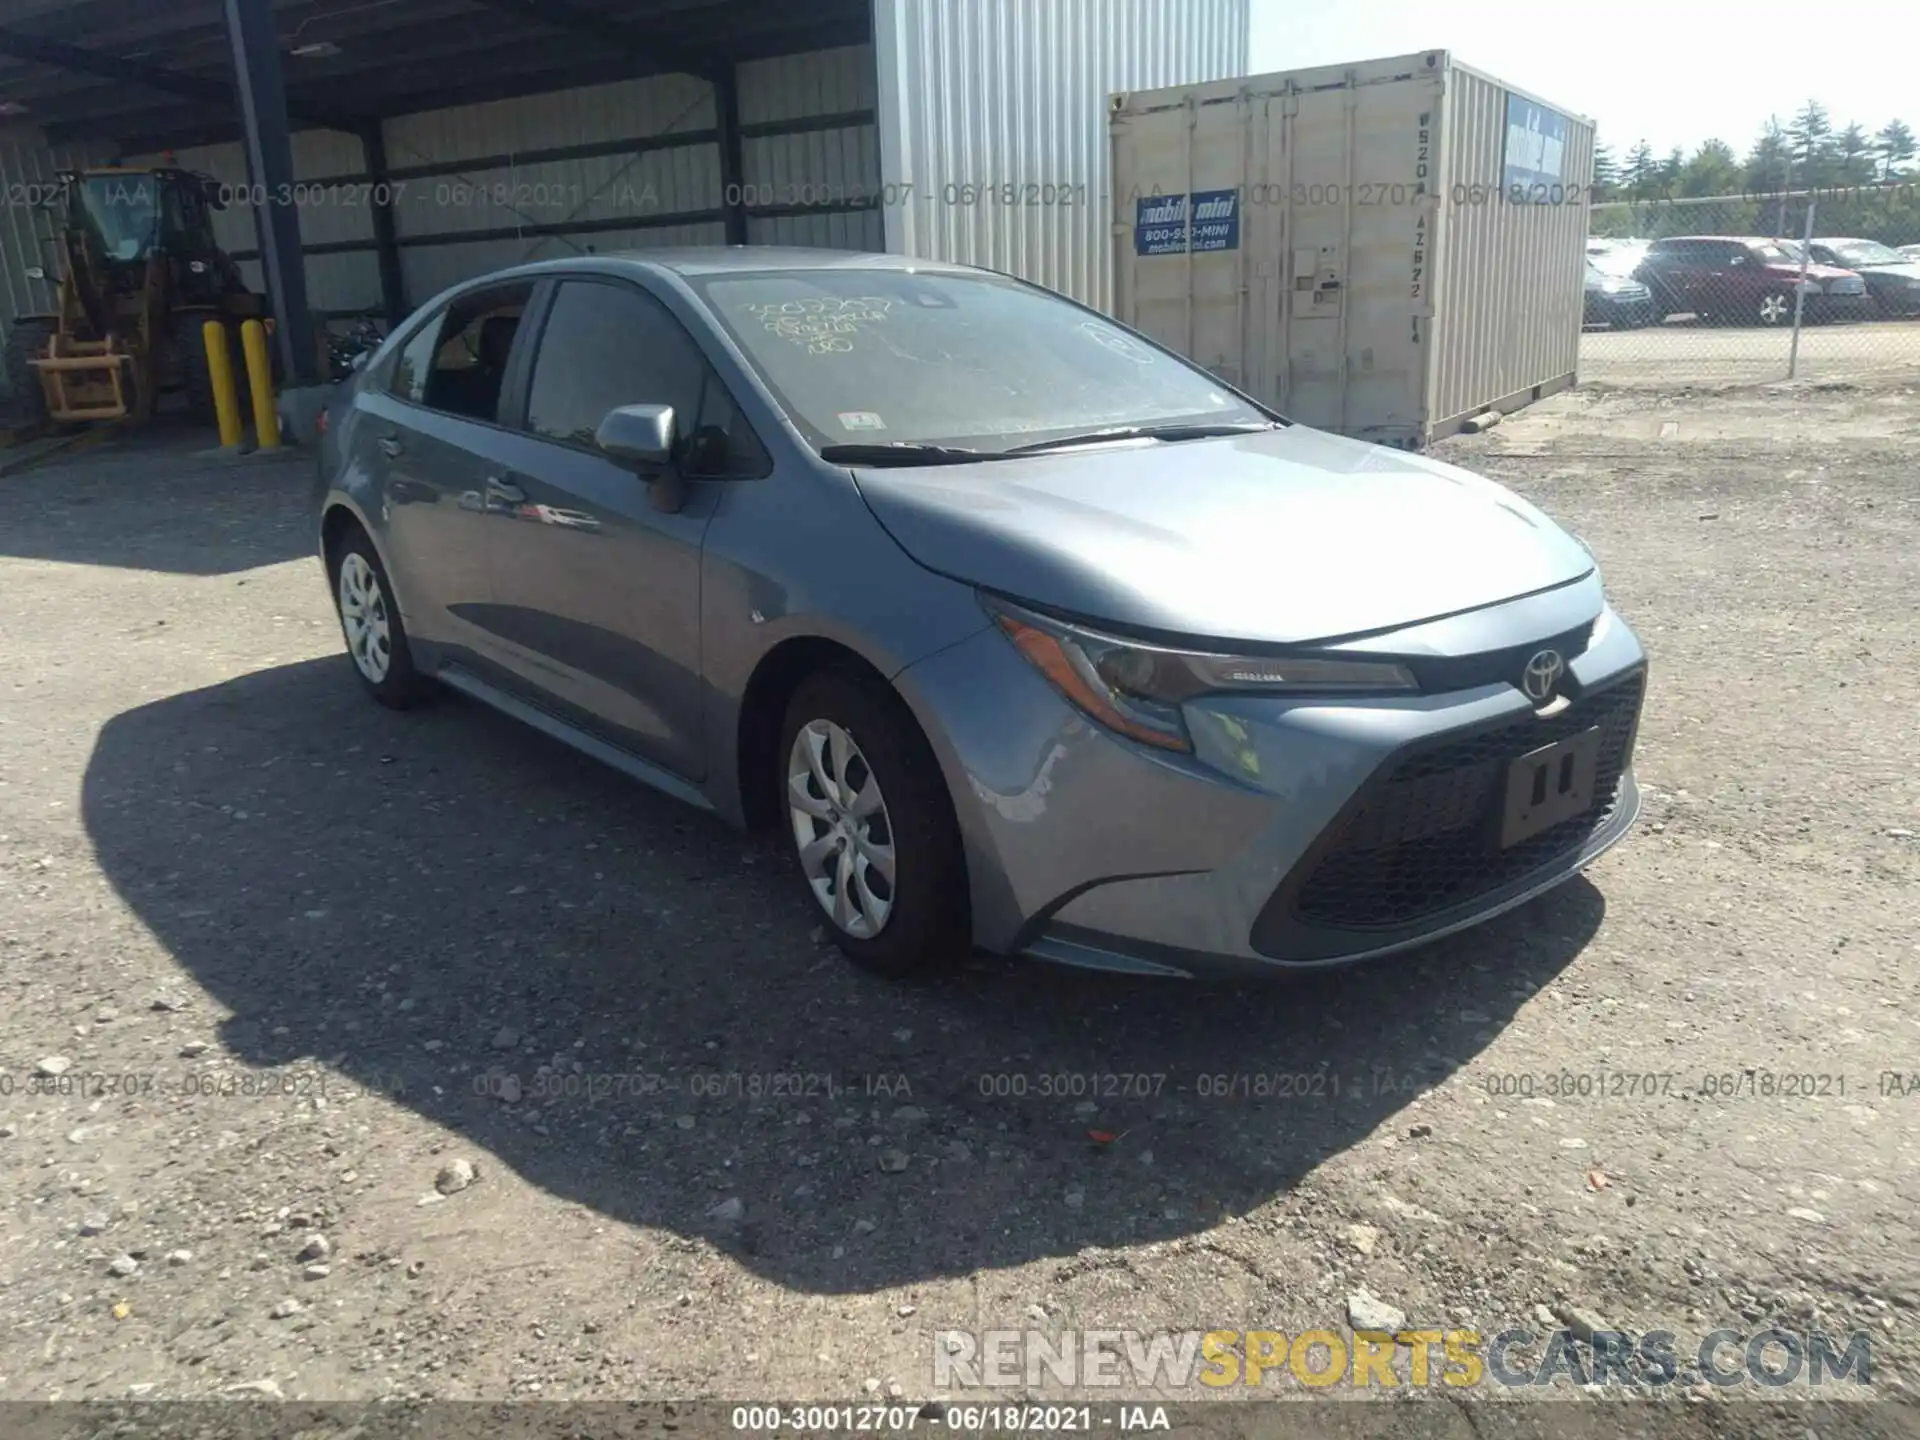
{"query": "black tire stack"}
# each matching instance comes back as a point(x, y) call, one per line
point(25, 401)
point(196, 375)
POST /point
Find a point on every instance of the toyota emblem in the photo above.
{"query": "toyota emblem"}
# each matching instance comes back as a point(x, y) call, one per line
point(1542, 676)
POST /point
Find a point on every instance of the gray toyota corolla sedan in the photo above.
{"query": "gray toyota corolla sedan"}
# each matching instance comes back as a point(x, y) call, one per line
point(1031, 635)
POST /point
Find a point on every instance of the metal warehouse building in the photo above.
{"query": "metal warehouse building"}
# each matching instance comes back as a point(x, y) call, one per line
point(377, 150)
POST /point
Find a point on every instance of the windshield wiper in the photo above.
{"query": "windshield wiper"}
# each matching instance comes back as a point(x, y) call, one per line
point(903, 452)
point(1144, 432)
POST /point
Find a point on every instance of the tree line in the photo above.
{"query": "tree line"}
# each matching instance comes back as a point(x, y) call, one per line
point(1867, 183)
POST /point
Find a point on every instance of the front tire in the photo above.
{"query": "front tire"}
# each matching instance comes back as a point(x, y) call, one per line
point(371, 625)
point(872, 826)
point(1774, 309)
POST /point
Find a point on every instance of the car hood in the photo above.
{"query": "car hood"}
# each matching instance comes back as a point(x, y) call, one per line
point(1820, 272)
point(1280, 536)
point(1907, 269)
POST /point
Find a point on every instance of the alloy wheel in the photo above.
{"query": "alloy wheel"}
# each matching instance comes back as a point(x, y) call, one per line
point(1774, 309)
point(841, 828)
point(363, 616)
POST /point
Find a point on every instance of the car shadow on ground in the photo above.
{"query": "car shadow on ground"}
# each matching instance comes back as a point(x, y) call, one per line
point(175, 504)
point(388, 892)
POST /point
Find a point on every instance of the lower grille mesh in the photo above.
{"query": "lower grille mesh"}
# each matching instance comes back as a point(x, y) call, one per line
point(1424, 840)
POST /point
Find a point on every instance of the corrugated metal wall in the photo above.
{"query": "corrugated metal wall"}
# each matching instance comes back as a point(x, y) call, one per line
point(483, 186)
point(976, 95)
point(28, 167)
point(808, 177)
point(1508, 292)
point(510, 205)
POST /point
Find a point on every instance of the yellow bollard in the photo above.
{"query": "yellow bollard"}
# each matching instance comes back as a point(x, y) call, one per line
point(226, 399)
point(266, 423)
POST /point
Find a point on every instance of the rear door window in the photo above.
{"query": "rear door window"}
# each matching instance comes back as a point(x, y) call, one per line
point(469, 368)
point(408, 379)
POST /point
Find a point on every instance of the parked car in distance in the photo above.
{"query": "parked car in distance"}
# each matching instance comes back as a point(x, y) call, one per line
point(1912, 252)
point(1024, 632)
point(1746, 280)
point(1616, 257)
point(1893, 279)
point(1616, 300)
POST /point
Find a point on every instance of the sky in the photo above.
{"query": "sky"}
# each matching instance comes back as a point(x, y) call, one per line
point(1675, 72)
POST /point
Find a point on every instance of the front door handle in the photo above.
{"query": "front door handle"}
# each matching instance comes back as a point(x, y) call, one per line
point(391, 447)
point(498, 489)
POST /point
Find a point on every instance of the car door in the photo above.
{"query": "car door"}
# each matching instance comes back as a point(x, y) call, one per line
point(1689, 275)
point(1731, 280)
point(595, 592)
point(1664, 271)
point(425, 433)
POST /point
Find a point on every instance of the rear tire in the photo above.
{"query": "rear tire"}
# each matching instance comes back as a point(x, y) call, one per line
point(371, 625)
point(26, 398)
point(872, 826)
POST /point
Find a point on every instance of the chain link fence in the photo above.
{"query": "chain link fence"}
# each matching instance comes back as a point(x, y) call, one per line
point(1748, 288)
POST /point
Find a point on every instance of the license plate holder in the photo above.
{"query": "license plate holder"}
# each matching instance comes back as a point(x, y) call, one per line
point(1549, 785)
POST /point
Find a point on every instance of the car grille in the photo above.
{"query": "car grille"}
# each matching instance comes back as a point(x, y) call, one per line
point(1853, 286)
point(1424, 839)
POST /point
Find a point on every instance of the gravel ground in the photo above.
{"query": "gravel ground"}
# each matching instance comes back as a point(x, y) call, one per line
point(333, 961)
point(1693, 352)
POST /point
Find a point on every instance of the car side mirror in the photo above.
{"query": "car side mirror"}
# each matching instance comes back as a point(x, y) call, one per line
point(641, 437)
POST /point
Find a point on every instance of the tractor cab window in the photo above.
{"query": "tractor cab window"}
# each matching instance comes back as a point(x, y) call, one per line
point(186, 227)
point(124, 213)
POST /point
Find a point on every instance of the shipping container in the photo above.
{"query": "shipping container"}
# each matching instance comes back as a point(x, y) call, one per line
point(1384, 249)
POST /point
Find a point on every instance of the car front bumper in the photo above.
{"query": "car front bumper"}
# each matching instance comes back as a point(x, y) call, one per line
point(1839, 307)
point(1300, 834)
point(1622, 310)
point(1899, 299)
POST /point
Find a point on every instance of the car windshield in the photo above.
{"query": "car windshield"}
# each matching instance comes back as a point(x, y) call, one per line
point(1865, 252)
point(1777, 254)
point(894, 357)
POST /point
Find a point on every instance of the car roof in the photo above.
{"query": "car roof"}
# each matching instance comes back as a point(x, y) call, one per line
point(1724, 239)
point(689, 260)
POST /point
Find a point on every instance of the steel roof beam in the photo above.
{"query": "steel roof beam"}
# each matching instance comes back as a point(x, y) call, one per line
point(604, 30)
point(135, 72)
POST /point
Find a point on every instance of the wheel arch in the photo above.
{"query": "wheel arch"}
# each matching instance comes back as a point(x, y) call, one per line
point(763, 708)
point(337, 520)
point(338, 517)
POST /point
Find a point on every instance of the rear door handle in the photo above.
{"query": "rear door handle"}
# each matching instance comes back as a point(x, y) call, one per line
point(391, 447)
point(499, 489)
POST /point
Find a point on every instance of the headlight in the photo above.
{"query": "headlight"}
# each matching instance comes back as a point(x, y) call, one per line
point(1809, 287)
point(1137, 689)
